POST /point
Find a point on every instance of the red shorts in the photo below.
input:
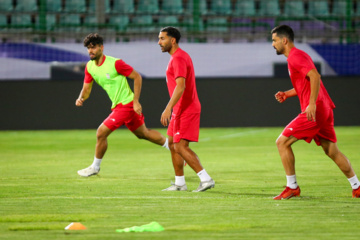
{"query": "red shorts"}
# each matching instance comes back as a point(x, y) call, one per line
point(186, 126)
point(323, 128)
point(124, 114)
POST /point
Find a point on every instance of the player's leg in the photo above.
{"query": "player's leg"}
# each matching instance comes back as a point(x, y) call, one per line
point(153, 136)
point(331, 149)
point(102, 134)
point(286, 153)
point(178, 164)
point(288, 160)
point(182, 148)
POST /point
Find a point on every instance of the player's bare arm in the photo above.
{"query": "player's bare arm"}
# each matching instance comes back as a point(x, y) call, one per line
point(178, 91)
point(282, 96)
point(134, 75)
point(84, 94)
point(314, 77)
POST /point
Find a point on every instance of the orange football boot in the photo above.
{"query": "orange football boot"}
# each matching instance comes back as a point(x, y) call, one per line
point(289, 193)
point(356, 193)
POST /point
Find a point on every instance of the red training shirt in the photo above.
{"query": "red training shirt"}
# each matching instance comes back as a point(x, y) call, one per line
point(121, 67)
point(299, 64)
point(180, 65)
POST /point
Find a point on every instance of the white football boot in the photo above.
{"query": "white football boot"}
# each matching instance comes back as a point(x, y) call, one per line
point(89, 171)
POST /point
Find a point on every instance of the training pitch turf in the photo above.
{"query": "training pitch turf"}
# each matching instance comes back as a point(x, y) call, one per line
point(41, 193)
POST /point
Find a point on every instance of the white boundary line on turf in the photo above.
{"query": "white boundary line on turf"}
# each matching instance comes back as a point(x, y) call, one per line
point(119, 197)
point(234, 135)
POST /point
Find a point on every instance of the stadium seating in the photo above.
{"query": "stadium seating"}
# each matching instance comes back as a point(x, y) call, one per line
point(69, 23)
point(168, 20)
point(145, 20)
point(339, 8)
point(121, 22)
point(53, 6)
point(172, 7)
point(269, 8)
point(123, 6)
point(50, 22)
point(203, 7)
point(148, 7)
point(189, 25)
point(92, 6)
point(357, 13)
point(26, 6)
point(76, 6)
point(244, 8)
point(3, 22)
point(217, 24)
point(294, 8)
point(221, 7)
point(318, 8)
point(21, 22)
point(6, 5)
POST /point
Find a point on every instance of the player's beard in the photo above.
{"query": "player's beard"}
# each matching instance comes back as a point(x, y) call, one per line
point(96, 56)
point(279, 51)
point(166, 48)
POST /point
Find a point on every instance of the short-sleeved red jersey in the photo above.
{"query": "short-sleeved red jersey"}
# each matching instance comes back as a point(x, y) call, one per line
point(180, 65)
point(299, 64)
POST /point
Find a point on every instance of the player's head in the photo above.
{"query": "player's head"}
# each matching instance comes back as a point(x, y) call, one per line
point(282, 35)
point(94, 43)
point(168, 37)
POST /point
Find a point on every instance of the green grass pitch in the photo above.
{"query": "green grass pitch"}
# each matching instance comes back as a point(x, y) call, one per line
point(40, 192)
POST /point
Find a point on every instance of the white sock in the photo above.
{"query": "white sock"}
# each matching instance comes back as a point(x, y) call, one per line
point(96, 163)
point(179, 180)
point(291, 182)
point(204, 176)
point(166, 144)
point(354, 182)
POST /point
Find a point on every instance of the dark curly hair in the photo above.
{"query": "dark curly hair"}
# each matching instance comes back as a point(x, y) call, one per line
point(284, 31)
point(93, 39)
point(172, 32)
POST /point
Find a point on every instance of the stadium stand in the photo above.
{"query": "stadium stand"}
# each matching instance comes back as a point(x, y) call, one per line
point(221, 7)
point(294, 8)
point(269, 8)
point(6, 6)
point(54, 6)
point(148, 7)
point(26, 6)
point(78, 6)
point(244, 8)
point(172, 7)
point(92, 6)
point(123, 7)
point(318, 8)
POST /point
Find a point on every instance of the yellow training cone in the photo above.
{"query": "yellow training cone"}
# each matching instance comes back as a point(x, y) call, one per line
point(75, 226)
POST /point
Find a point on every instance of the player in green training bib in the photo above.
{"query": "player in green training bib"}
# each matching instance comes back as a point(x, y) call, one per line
point(111, 73)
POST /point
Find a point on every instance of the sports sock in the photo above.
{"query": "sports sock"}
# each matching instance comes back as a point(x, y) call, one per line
point(354, 182)
point(96, 163)
point(291, 182)
point(179, 180)
point(166, 144)
point(204, 176)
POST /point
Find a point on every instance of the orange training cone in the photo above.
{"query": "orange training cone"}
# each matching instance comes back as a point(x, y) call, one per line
point(75, 226)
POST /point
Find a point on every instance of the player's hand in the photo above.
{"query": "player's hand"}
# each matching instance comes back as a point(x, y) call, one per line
point(280, 97)
point(79, 102)
point(165, 117)
point(137, 107)
point(311, 112)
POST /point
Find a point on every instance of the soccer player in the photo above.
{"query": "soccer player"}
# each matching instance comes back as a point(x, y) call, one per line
point(316, 120)
point(110, 73)
point(182, 113)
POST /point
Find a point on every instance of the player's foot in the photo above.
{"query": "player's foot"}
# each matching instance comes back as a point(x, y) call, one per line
point(89, 171)
point(205, 186)
point(288, 193)
point(356, 193)
point(174, 187)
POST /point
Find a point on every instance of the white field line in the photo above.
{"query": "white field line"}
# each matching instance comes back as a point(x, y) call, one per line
point(117, 197)
point(234, 135)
